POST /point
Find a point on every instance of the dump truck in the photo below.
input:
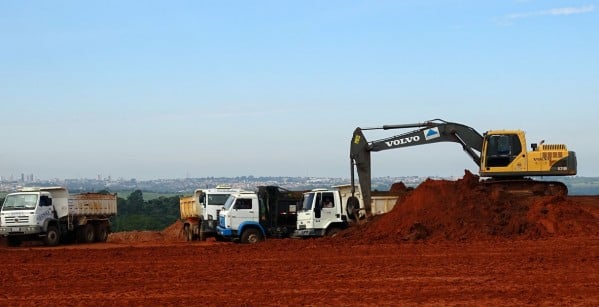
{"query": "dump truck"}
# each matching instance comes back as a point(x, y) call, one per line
point(199, 212)
point(52, 215)
point(325, 212)
point(252, 216)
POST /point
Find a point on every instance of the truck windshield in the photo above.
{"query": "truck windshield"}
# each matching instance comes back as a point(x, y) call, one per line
point(20, 202)
point(229, 202)
point(217, 199)
point(308, 200)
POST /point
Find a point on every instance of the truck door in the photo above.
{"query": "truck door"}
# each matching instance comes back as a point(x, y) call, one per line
point(243, 210)
point(325, 203)
point(45, 210)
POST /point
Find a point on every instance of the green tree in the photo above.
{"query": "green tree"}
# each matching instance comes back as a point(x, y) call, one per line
point(135, 202)
point(137, 214)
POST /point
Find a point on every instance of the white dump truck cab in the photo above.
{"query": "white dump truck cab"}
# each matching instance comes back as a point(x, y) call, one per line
point(321, 214)
point(240, 218)
point(211, 201)
point(31, 211)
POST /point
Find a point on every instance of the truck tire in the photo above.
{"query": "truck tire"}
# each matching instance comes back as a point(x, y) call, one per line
point(251, 236)
point(187, 232)
point(85, 234)
point(52, 237)
point(101, 234)
point(332, 232)
point(196, 232)
point(13, 241)
point(353, 208)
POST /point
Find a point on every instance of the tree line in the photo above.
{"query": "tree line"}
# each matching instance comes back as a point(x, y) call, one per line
point(135, 213)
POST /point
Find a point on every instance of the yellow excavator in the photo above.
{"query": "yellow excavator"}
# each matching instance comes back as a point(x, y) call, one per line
point(500, 154)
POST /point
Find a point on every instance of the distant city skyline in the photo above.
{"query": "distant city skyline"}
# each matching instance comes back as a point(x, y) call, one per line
point(576, 185)
point(158, 89)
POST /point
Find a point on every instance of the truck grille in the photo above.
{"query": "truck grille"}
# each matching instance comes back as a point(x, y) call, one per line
point(13, 220)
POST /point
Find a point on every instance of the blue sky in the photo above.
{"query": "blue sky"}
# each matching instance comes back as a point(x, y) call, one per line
point(169, 89)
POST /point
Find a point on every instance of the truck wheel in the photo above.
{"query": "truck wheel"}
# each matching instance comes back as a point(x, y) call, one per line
point(353, 208)
point(86, 234)
point(14, 241)
point(333, 231)
point(52, 237)
point(195, 232)
point(101, 234)
point(251, 236)
point(187, 232)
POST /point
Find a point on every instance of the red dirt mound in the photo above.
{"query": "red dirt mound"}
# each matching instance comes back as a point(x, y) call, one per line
point(173, 233)
point(468, 209)
point(399, 188)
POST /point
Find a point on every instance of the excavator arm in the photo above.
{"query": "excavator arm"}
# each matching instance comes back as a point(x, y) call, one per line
point(432, 131)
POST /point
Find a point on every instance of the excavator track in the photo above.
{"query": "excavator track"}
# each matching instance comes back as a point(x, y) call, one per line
point(526, 186)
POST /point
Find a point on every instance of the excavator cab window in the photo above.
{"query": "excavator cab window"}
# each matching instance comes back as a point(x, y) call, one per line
point(502, 149)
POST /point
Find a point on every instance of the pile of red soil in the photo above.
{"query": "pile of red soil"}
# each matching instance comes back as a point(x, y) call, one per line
point(469, 209)
point(173, 233)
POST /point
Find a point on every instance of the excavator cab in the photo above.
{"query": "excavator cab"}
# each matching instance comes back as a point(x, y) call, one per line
point(502, 149)
point(504, 155)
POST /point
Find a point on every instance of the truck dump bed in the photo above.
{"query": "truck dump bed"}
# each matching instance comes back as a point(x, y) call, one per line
point(381, 201)
point(281, 207)
point(92, 204)
point(382, 204)
point(189, 207)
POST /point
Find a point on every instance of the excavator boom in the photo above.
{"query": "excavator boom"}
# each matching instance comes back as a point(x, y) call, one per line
point(432, 131)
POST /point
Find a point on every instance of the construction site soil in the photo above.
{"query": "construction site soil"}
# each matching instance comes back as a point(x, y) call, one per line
point(444, 243)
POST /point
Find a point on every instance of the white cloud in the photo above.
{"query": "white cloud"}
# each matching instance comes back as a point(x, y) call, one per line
point(551, 12)
point(569, 10)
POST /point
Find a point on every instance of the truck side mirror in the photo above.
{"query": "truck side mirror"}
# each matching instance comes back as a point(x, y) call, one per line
point(317, 211)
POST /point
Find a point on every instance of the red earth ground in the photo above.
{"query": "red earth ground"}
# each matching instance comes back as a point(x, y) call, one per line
point(445, 243)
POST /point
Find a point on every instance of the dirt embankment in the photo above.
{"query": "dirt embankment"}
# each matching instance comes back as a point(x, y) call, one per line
point(173, 233)
point(468, 209)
